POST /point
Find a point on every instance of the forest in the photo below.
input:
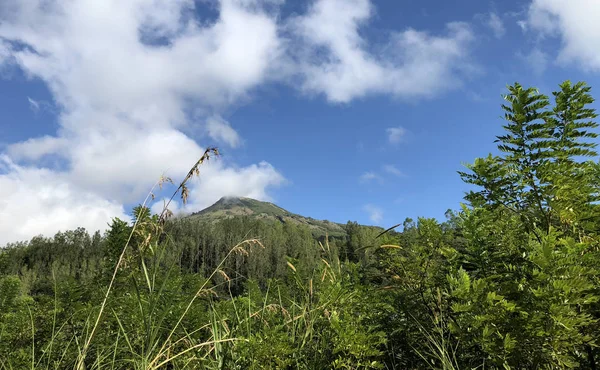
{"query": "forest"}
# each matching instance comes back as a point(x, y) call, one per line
point(509, 280)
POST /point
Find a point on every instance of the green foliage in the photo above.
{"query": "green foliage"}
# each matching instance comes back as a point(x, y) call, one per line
point(510, 281)
point(529, 291)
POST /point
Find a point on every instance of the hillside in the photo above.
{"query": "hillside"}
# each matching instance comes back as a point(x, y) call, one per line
point(228, 207)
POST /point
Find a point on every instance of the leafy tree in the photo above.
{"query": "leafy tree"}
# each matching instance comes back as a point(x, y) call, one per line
point(526, 295)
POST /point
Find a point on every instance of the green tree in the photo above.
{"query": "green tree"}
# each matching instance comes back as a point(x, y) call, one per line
point(528, 293)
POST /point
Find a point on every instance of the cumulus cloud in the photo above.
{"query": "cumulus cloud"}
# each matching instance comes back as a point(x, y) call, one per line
point(496, 24)
point(395, 134)
point(221, 131)
point(575, 23)
point(123, 164)
point(36, 148)
point(124, 76)
point(218, 181)
point(334, 59)
point(375, 213)
point(39, 201)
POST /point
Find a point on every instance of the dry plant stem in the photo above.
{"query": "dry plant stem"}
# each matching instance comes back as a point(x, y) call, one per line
point(80, 361)
point(182, 186)
point(193, 170)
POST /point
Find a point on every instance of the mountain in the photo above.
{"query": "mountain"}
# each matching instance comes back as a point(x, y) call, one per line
point(228, 207)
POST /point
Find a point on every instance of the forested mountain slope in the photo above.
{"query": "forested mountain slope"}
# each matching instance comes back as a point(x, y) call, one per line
point(229, 207)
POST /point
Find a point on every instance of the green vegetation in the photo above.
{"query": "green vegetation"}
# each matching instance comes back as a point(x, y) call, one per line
point(511, 281)
point(230, 207)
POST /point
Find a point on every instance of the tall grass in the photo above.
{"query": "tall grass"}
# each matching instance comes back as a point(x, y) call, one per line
point(161, 345)
point(157, 352)
point(305, 323)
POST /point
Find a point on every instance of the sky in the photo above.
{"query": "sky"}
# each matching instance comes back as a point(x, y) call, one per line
point(336, 109)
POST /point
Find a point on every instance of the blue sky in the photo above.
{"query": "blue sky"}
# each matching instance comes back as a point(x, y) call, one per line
point(335, 109)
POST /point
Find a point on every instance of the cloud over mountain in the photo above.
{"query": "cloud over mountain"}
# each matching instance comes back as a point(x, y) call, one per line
point(125, 75)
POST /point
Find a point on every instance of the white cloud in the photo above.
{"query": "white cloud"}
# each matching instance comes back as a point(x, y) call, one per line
point(370, 176)
point(124, 164)
point(217, 181)
point(216, 63)
point(496, 25)
point(393, 170)
point(124, 76)
point(396, 134)
point(221, 131)
point(36, 148)
point(375, 213)
point(38, 201)
point(334, 59)
point(159, 205)
point(576, 23)
point(124, 100)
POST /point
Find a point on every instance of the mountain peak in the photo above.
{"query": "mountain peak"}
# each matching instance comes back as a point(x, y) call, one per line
point(230, 199)
point(234, 206)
